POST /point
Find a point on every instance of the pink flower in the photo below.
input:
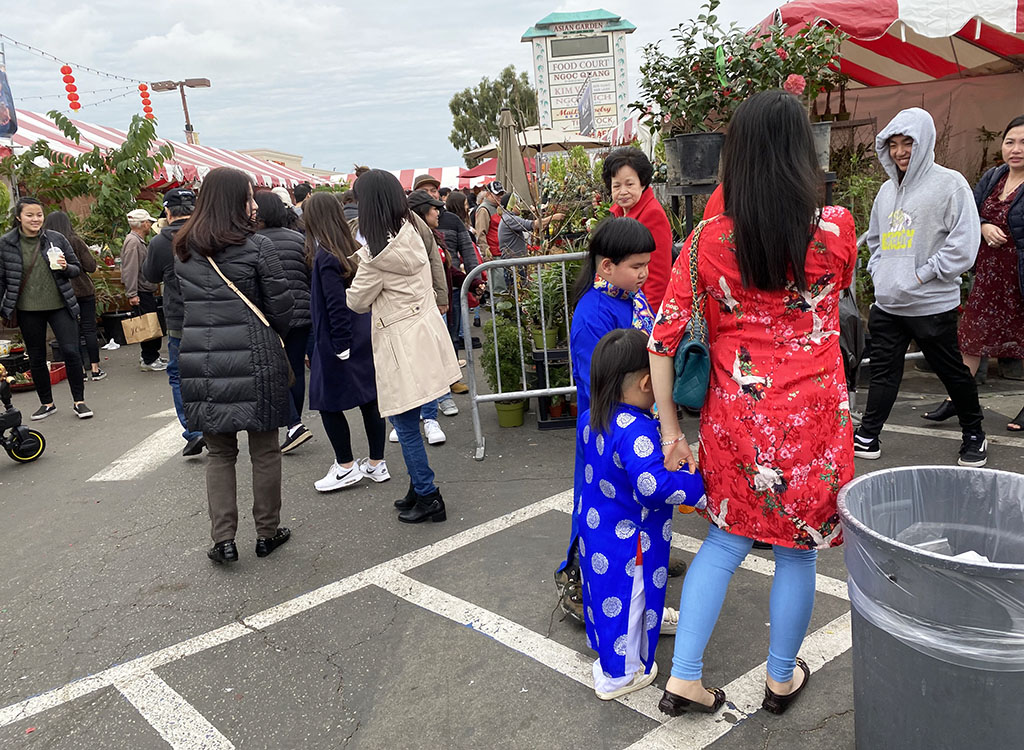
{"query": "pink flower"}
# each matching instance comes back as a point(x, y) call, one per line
point(795, 84)
point(783, 55)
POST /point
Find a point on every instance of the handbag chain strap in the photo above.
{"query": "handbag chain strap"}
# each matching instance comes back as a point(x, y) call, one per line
point(698, 327)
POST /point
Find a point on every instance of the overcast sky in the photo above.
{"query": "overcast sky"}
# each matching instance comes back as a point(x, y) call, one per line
point(337, 82)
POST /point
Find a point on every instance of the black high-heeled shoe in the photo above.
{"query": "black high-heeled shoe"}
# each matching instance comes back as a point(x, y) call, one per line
point(1018, 421)
point(677, 705)
point(940, 413)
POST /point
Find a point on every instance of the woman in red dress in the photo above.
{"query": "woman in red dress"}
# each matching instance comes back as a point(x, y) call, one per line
point(776, 442)
point(627, 175)
point(993, 321)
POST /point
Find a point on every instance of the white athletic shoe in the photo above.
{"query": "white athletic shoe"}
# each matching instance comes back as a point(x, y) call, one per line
point(339, 477)
point(378, 473)
point(669, 621)
point(393, 436)
point(639, 682)
point(448, 407)
point(435, 435)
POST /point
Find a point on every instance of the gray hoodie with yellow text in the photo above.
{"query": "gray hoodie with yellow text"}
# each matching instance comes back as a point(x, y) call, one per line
point(924, 230)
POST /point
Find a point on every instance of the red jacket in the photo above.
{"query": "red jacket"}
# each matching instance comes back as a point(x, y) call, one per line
point(648, 211)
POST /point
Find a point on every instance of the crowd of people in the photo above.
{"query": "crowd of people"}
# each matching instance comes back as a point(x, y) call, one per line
point(362, 288)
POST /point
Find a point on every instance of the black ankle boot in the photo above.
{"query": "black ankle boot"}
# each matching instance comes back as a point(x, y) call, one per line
point(940, 413)
point(223, 552)
point(407, 502)
point(429, 507)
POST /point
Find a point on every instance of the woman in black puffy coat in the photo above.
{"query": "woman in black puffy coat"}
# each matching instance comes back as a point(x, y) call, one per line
point(234, 372)
point(273, 219)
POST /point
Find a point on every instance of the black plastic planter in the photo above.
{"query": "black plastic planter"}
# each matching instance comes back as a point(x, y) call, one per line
point(693, 158)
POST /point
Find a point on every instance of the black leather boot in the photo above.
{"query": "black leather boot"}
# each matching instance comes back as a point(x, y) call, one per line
point(407, 502)
point(940, 413)
point(428, 508)
point(223, 552)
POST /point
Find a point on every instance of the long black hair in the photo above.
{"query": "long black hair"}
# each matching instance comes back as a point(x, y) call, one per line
point(771, 182)
point(270, 209)
point(620, 353)
point(58, 221)
point(327, 229)
point(221, 218)
point(615, 239)
point(383, 206)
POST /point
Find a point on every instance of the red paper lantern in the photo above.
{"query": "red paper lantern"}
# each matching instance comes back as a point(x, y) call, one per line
point(150, 116)
point(75, 105)
point(71, 88)
point(143, 87)
point(146, 101)
point(69, 79)
point(65, 69)
point(72, 97)
point(147, 110)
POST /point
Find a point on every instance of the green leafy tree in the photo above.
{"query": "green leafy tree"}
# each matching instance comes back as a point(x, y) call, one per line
point(114, 177)
point(475, 110)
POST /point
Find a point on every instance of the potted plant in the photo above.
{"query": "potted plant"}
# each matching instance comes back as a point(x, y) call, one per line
point(842, 81)
point(501, 362)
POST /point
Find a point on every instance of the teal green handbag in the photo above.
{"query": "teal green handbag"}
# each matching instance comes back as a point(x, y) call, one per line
point(693, 358)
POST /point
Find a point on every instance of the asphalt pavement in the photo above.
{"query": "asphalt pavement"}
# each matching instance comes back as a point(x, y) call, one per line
point(361, 632)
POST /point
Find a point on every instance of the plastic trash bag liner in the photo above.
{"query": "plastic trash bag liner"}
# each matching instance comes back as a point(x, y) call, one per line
point(903, 528)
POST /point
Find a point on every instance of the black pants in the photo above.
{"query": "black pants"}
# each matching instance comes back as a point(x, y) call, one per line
point(336, 427)
point(150, 349)
point(295, 347)
point(936, 336)
point(87, 327)
point(65, 328)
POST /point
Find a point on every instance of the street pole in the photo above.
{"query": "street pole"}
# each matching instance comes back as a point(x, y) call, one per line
point(189, 134)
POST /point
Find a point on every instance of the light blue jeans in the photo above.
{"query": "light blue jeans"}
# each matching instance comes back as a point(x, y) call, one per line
point(791, 603)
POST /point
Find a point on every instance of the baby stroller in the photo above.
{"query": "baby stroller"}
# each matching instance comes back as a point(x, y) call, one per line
point(22, 444)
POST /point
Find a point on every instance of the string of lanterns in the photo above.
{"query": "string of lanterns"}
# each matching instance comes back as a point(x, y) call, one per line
point(147, 104)
point(70, 88)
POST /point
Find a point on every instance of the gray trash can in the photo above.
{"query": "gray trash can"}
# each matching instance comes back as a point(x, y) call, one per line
point(938, 642)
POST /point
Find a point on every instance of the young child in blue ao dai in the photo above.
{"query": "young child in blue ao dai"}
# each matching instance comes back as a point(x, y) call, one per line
point(626, 515)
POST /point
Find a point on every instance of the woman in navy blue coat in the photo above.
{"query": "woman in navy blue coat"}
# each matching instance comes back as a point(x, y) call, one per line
point(341, 368)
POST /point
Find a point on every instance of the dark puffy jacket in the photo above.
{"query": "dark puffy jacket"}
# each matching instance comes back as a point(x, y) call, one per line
point(234, 374)
point(983, 189)
point(159, 268)
point(291, 248)
point(10, 270)
point(458, 240)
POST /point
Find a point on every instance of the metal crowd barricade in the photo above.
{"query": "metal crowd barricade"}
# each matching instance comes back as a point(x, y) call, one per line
point(517, 282)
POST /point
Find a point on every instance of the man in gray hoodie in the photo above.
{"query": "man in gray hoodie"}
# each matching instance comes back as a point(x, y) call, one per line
point(924, 234)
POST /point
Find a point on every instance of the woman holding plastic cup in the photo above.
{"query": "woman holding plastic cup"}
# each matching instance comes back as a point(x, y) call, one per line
point(36, 266)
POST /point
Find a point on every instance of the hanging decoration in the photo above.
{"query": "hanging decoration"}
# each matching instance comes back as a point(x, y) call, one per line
point(70, 87)
point(147, 103)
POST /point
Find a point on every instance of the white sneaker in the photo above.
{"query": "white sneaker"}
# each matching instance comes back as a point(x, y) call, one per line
point(378, 473)
point(393, 436)
point(435, 435)
point(339, 477)
point(639, 682)
point(448, 407)
point(669, 621)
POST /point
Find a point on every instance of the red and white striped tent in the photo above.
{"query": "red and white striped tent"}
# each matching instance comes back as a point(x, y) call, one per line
point(913, 41)
point(450, 177)
point(190, 163)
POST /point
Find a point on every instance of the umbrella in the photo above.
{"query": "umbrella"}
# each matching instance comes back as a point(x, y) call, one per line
point(537, 139)
point(489, 168)
point(511, 170)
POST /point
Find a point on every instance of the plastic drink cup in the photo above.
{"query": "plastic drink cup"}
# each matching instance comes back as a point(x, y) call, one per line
point(54, 254)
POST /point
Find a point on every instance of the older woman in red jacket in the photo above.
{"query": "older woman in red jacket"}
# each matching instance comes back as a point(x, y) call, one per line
point(627, 176)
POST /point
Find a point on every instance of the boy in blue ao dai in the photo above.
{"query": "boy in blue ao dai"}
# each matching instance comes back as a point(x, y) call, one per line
point(625, 506)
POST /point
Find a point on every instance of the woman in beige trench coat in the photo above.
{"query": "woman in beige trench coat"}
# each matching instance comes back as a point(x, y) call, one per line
point(412, 354)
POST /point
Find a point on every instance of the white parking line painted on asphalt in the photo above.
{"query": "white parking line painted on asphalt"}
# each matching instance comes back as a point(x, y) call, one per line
point(551, 654)
point(144, 457)
point(1015, 442)
point(163, 414)
point(744, 696)
point(174, 718)
point(252, 624)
